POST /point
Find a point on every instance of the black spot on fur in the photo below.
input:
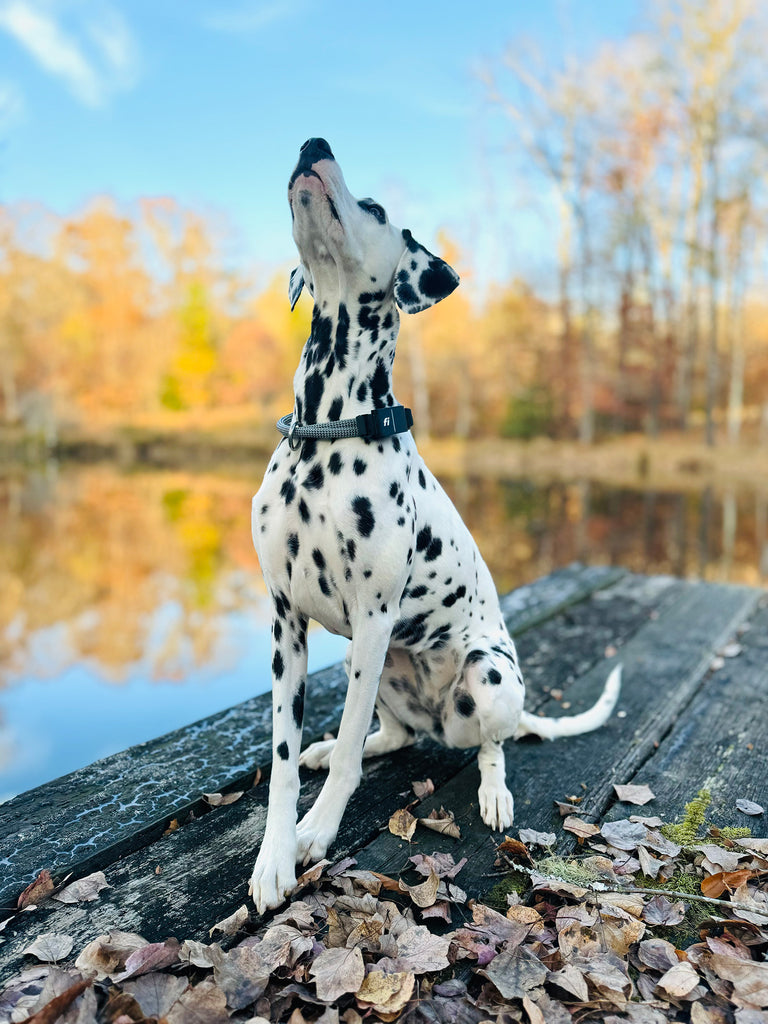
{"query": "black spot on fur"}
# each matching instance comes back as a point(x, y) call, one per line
point(278, 666)
point(298, 706)
point(293, 544)
point(362, 392)
point(318, 558)
point(494, 677)
point(304, 511)
point(473, 657)
point(365, 519)
point(433, 550)
point(282, 751)
point(359, 467)
point(464, 703)
point(335, 464)
point(334, 413)
point(313, 392)
point(351, 549)
point(379, 384)
point(315, 478)
point(342, 335)
point(419, 591)
point(288, 491)
point(322, 582)
point(412, 629)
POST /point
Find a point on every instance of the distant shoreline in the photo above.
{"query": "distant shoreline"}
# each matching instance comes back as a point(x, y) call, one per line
point(672, 461)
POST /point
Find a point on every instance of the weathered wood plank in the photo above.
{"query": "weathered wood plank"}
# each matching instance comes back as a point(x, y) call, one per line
point(664, 663)
point(89, 818)
point(205, 865)
point(719, 743)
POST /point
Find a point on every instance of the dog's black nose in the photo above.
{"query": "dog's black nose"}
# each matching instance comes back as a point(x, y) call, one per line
point(316, 149)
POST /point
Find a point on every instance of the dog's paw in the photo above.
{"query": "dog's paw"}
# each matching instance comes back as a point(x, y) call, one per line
point(272, 880)
point(315, 834)
point(317, 755)
point(497, 806)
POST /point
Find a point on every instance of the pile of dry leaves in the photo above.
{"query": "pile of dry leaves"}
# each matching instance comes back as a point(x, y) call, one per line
point(588, 943)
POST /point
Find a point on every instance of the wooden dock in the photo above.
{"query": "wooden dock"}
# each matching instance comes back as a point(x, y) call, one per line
point(693, 714)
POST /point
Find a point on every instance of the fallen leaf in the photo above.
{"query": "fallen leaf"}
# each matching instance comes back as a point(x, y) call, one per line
point(152, 957)
point(312, 874)
point(532, 838)
point(221, 799)
point(659, 910)
point(442, 821)
point(56, 1007)
point(386, 993)
point(232, 924)
point(203, 1004)
point(37, 892)
point(513, 848)
point(634, 794)
point(624, 834)
point(402, 824)
point(242, 976)
point(423, 789)
point(658, 954)
point(200, 955)
point(514, 971)
point(749, 807)
point(582, 829)
point(50, 947)
point(156, 993)
point(418, 950)
point(572, 980)
point(84, 890)
point(749, 978)
point(442, 864)
point(107, 954)
point(715, 885)
point(336, 972)
point(679, 980)
point(425, 893)
point(567, 808)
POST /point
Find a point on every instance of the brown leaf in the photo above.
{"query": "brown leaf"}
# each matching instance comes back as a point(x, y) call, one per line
point(658, 954)
point(312, 874)
point(231, 925)
point(203, 1004)
point(582, 829)
point(37, 892)
point(402, 824)
point(513, 848)
point(390, 884)
point(659, 910)
point(242, 976)
point(442, 821)
point(425, 893)
point(442, 864)
point(156, 993)
point(514, 971)
point(418, 950)
point(567, 808)
point(107, 954)
point(53, 1010)
point(386, 994)
point(423, 789)
point(221, 799)
point(336, 972)
point(200, 955)
point(153, 957)
point(572, 980)
point(715, 885)
point(749, 979)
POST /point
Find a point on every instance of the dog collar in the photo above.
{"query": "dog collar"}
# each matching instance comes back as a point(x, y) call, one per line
point(371, 426)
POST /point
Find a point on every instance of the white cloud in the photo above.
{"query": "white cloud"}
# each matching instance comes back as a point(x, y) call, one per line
point(94, 56)
point(253, 15)
point(11, 104)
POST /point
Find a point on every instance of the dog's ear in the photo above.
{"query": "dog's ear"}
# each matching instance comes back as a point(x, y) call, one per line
point(295, 284)
point(421, 279)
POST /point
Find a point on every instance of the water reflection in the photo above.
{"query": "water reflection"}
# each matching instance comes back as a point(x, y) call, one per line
point(132, 603)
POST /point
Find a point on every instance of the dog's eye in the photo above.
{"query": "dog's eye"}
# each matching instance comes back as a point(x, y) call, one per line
point(373, 208)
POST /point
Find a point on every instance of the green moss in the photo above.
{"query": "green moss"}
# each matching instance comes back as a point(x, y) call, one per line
point(516, 882)
point(734, 832)
point(688, 831)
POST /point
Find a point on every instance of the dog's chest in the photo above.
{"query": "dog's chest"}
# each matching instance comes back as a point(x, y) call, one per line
point(333, 525)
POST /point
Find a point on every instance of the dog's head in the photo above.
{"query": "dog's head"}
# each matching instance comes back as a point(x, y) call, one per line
point(349, 244)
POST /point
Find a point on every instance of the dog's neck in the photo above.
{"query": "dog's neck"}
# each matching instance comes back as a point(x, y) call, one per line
point(346, 364)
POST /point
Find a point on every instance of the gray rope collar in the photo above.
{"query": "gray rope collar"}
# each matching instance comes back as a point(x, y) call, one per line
point(372, 426)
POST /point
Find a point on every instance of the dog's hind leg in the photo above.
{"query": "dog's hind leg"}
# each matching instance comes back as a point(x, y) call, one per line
point(391, 735)
point(318, 828)
point(274, 874)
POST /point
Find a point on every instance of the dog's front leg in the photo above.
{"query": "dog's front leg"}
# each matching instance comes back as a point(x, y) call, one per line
point(274, 874)
point(318, 828)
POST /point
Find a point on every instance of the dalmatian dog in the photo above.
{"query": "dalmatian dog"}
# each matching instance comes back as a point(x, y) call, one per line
point(356, 533)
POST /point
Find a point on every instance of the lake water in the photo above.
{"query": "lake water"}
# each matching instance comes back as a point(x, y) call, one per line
point(131, 603)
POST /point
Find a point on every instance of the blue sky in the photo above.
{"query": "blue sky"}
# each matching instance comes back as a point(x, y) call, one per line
point(209, 103)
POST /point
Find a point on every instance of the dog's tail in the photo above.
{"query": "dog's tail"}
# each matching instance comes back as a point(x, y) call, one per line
point(574, 725)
